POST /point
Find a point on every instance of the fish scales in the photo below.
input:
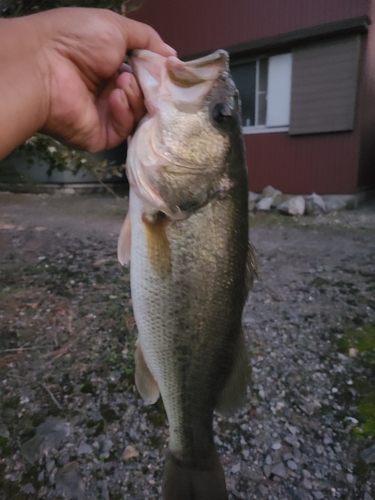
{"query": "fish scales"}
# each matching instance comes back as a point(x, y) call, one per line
point(189, 262)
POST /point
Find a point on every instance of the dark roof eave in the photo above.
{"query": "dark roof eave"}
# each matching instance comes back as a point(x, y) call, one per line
point(284, 41)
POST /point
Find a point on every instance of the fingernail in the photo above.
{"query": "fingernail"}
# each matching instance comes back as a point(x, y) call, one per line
point(125, 68)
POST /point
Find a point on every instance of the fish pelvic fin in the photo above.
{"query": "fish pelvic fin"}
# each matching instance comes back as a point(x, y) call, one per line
point(188, 481)
point(124, 242)
point(158, 248)
point(144, 380)
point(233, 394)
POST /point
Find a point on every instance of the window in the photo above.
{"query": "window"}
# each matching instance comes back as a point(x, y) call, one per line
point(265, 88)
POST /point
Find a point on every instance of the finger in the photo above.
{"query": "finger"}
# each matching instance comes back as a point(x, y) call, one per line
point(134, 94)
point(120, 121)
point(141, 36)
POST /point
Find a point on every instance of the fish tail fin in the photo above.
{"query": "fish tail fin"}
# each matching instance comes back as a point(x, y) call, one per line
point(201, 481)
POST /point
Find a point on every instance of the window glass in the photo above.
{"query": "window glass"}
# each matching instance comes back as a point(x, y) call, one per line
point(245, 78)
point(262, 91)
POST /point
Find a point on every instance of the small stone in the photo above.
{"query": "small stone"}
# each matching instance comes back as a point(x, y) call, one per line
point(327, 440)
point(263, 489)
point(287, 456)
point(267, 471)
point(106, 446)
point(236, 468)
point(292, 465)
point(318, 495)
point(129, 452)
point(268, 460)
point(279, 470)
point(28, 488)
point(264, 204)
point(84, 449)
point(368, 455)
point(302, 494)
point(367, 496)
point(292, 440)
point(69, 483)
point(4, 431)
point(307, 484)
point(276, 445)
point(350, 478)
point(353, 352)
point(50, 465)
point(306, 474)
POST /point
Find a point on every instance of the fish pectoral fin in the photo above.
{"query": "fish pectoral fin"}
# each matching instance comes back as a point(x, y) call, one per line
point(124, 242)
point(144, 380)
point(233, 394)
point(251, 268)
point(158, 248)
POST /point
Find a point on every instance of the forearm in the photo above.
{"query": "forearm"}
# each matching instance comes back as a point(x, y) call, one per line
point(23, 83)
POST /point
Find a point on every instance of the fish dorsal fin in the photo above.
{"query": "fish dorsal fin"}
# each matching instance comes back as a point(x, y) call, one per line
point(144, 380)
point(233, 394)
point(124, 242)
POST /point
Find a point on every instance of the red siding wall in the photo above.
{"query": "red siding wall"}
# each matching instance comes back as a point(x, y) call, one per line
point(197, 25)
point(321, 163)
point(324, 163)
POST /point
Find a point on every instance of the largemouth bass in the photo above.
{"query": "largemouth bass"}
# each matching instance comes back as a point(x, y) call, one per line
point(186, 235)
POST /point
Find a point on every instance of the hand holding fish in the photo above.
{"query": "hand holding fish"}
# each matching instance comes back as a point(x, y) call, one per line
point(60, 75)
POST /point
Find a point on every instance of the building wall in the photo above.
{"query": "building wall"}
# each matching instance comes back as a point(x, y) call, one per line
point(324, 163)
point(366, 173)
point(304, 164)
point(196, 25)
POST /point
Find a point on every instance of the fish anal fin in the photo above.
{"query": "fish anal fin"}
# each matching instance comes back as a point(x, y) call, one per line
point(158, 248)
point(124, 242)
point(233, 394)
point(144, 380)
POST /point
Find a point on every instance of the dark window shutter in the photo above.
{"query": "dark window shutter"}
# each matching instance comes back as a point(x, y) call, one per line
point(324, 84)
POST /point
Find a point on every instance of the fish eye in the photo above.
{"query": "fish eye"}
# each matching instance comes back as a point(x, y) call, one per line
point(221, 113)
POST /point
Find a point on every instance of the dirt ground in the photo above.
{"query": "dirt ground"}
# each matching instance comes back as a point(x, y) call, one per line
point(71, 422)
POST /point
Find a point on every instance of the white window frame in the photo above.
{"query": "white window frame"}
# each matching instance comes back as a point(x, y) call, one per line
point(262, 129)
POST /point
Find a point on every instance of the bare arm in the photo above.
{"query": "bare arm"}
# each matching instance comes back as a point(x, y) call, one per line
point(59, 75)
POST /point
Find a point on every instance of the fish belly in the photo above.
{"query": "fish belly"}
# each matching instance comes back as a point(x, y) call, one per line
point(188, 313)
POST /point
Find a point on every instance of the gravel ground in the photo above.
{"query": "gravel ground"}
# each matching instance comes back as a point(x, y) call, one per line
point(71, 422)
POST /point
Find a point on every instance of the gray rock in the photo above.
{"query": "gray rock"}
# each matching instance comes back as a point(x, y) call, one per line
point(276, 445)
point(4, 431)
point(267, 471)
point(315, 205)
point(280, 470)
point(368, 455)
point(302, 494)
point(366, 496)
point(335, 203)
point(106, 446)
point(293, 206)
point(252, 199)
point(275, 194)
point(292, 465)
point(28, 488)
point(263, 490)
point(268, 460)
point(84, 449)
point(50, 434)
point(69, 482)
point(318, 495)
point(264, 204)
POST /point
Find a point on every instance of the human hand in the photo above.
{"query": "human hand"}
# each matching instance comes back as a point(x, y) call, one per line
point(92, 105)
point(60, 75)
